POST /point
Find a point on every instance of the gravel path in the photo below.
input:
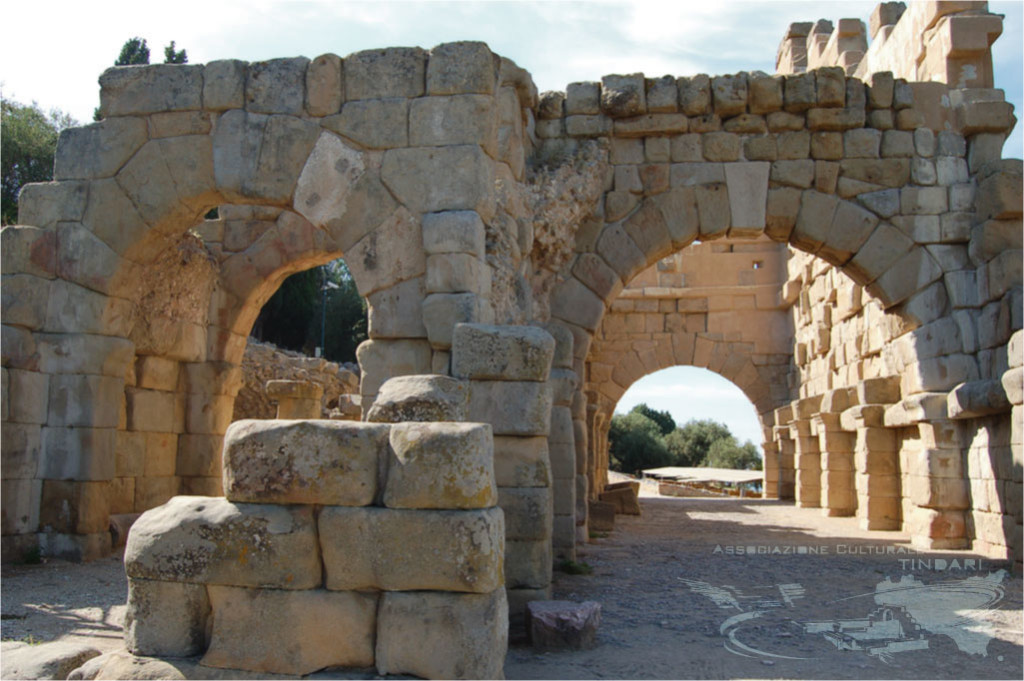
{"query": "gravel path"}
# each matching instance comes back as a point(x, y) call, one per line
point(679, 602)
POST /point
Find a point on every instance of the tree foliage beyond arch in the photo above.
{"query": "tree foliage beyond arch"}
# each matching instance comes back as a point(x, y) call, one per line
point(638, 441)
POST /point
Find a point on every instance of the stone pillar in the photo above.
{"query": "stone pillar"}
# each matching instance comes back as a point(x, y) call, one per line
point(807, 453)
point(155, 420)
point(771, 469)
point(876, 465)
point(1013, 384)
point(511, 387)
point(296, 399)
point(838, 495)
point(937, 489)
point(786, 453)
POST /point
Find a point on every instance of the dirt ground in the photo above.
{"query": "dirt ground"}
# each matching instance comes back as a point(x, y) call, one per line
point(695, 588)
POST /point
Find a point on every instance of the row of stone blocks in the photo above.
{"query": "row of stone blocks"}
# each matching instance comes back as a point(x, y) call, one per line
point(338, 545)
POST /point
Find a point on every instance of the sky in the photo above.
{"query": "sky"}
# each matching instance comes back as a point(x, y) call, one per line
point(53, 52)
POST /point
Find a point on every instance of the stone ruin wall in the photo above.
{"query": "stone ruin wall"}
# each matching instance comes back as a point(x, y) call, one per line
point(526, 208)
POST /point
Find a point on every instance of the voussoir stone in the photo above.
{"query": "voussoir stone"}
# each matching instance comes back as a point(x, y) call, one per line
point(443, 635)
point(411, 550)
point(441, 465)
point(290, 632)
point(303, 462)
point(511, 353)
point(420, 398)
point(210, 540)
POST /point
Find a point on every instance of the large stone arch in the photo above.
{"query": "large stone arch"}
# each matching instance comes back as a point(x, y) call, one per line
point(850, 174)
point(126, 313)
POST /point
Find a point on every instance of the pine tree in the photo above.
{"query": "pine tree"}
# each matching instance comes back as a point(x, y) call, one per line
point(172, 57)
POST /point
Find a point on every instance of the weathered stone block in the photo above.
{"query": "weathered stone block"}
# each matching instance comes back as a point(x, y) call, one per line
point(729, 94)
point(410, 550)
point(208, 540)
point(224, 85)
point(511, 407)
point(290, 632)
point(391, 72)
point(373, 123)
point(443, 636)
point(420, 398)
point(384, 359)
point(97, 150)
point(623, 96)
point(457, 273)
point(509, 353)
point(443, 311)
point(303, 462)
point(325, 88)
point(277, 86)
point(441, 465)
point(462, 67)
point(166, 619)
point(453, 232)
point(459, 119)
point(528, 512)
point(434, 179)
point(528, 562)
point(126, 90)
point(522, 462)
point(558, 625)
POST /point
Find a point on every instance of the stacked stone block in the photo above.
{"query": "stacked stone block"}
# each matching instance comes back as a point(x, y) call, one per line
point(337, 544)
point(510, 382)
point(838, 493)
point(807, 453)
point(296, 399)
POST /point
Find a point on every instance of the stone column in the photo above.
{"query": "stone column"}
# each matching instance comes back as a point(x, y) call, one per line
point(838, 495)
point(807, 453)
point(511, 387)
point(209, 390)
point(876, 466)
point(786, 453)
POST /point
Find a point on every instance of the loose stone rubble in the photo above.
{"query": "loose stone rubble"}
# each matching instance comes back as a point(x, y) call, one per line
point(841, 240)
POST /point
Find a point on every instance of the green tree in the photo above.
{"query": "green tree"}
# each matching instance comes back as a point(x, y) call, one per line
point(134, 51)
point(172, 57)
point(291, 318)
point(726, 453)
point(26, 155)
point(690, 444)
point(636, 443)
point(664, 419)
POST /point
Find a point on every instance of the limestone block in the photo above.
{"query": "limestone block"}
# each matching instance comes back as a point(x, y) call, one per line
point(325, 89)
point(19, 513)
point(713, 208)
point(884, 247)
point(420, 398)
point(528, 512)
point(721, 146)
point(596, 274)
point(623, 96)
point(459, 119)
point(760, 149)
point(375, 266)
point(26, 396)
point(694, 95)
point(522, 462)
point(73, 507)
point(209, 540)
point(224, 85)
point(457, 273)
point(443, 311)
point(84, 400)
point(443, 636)
point(765, 93)
point(783, 205)
point(441, 178)
point(99, 149)
point(327, 178)
point(528, 563)
point(126, 90)
point(510, 353)
point(290, 632)
point(303, 462)
point(937, 463)
point(166, 619)
point(409, 550)
point(799, 93)
point(53, 660)
point(453, 232)
point(461, 67)
point(748, 194)
point(583, 99)
point(651, 124)
point(373, 123)
point(441, 465)
point(21, 450)
point(391, 72)
point(797, 173)
point(588, 126)
point(211, 378)
point(814, 220)
point(152, 410)
point(24, 299)
point(563, 383)
point(978, 398)
point(1013, 384)
point(277, 86)
point(850, 229)
point(395, 312)
point(573, 302)
point(561, 625)
point(798, 145)
point(729, 94)
point(511, 407)
point(940, 493)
